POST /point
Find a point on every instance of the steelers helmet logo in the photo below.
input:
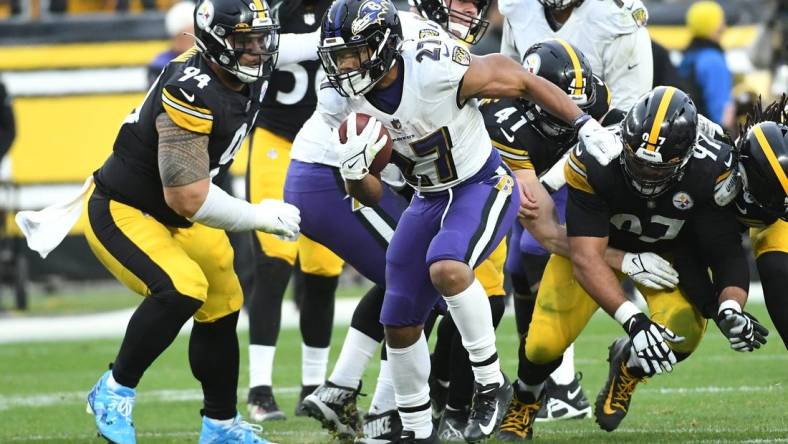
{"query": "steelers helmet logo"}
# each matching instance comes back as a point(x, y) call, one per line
point(204, 15)
point(532, 63)
point(682, 201)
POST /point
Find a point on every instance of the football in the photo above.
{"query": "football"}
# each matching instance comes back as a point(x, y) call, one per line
point(384, 155)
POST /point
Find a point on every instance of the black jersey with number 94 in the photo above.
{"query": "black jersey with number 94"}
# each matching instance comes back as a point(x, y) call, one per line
point(196, 100)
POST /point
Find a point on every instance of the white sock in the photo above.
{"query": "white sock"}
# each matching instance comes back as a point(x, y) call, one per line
point(314, 361)
point(383, 399)
point(112, 383)
point(410, 368)
point(222, 422)
point(261, 364)
point(471, 313)
point(353, 359)
point(565, 373)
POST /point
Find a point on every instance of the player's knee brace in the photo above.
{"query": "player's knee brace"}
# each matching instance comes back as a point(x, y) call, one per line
point(366, 316)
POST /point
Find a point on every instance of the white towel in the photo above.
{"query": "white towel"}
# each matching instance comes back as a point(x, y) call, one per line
point(45, 229)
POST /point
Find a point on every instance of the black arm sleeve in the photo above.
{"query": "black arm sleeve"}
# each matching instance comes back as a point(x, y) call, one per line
point(719, 241)
point(695, 281)
point(7, 123)
point(586, 215)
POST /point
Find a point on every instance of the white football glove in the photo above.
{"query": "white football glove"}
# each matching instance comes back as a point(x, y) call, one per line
point(743, 331)
point(599, 142)
point(650, 344)
point(278, 218)
point(650, 270)
point(358, 152)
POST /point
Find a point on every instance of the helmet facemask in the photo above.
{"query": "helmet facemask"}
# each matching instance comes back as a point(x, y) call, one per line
point(648, 174)
point(354, 68)
point(466, 27)
point(249, 52)
point(558, 5)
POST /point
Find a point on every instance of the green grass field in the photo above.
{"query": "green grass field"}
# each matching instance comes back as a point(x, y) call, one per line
point(716, 396)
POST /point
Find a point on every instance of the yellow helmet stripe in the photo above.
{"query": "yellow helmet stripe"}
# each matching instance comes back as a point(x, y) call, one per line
point(575, 63)
point(664, 103)
point(767, 149)
point(258, 5)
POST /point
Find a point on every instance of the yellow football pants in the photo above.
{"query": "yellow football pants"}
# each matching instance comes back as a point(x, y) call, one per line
point(270, 157)
point(563, 308)
point(771, 238)
point(149, 257)
point(490, 272)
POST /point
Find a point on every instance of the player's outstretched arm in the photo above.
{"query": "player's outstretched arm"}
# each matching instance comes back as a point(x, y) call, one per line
point(497, 76)
point(184, 170)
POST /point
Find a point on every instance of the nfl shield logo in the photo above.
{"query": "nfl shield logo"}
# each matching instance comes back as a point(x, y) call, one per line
point(309, 18)
point(395, 123)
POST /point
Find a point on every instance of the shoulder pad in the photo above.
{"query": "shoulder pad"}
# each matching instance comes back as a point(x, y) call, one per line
point(618, 17)
point(186, 108)
point(576, 169)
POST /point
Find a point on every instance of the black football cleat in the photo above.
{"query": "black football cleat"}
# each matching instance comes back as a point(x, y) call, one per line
point(452, 424)
point(613, 400)
point(408, 437)
point(487, 410)
point(335, 407)
point(381, 428)
point(518, 424)
point(438, 395)
point(262, 406)
point(306, 390)
point(564, 401)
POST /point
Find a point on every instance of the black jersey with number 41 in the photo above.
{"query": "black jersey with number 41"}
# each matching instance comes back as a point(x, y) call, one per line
point(196, 100)
point(603, 203)
point(513, 130)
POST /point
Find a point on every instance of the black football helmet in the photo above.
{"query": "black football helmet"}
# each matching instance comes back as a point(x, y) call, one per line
point(763, 156)
point(466, 27)
point(659, 134)
point(559, 5)
point(359, 43)
point(230, 32)
point(565, 66)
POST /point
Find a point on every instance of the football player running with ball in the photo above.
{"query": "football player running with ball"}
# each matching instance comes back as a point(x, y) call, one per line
point(424, 92)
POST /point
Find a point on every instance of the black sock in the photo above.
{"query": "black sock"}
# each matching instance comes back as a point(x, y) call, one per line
point(317, 309)
point(442, 353)
point(366, 316)
point(152, 328)
point(265, 307)
point(772, 268)
point(214, 356)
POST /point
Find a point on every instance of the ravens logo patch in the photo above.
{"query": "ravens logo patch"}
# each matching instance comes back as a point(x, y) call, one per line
point(461, 56)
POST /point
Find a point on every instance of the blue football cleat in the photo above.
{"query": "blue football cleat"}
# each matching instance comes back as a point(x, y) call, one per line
point(112, 409)
point(238, 432)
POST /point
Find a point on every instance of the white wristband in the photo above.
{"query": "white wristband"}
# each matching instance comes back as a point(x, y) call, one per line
point(729, 303)
point(625, 311)
point(220, 210)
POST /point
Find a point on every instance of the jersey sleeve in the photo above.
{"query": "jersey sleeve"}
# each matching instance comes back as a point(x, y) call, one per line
point(719, 240)
point(187, 108)
point(628, 67)
point(587, 213)
point(441, 65)
point(508, 45)
point(294, 48)
point(331, 107)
